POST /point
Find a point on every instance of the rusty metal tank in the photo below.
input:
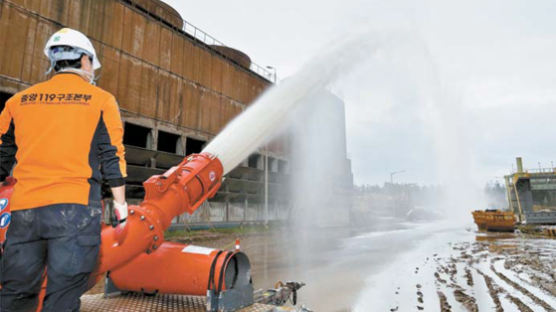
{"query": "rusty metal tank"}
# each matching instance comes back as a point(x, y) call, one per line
point(494, 220)
point(235, 55)
point(154, 69)
point(162, 10)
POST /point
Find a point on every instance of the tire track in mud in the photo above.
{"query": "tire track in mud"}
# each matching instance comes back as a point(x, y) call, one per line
point(524, 291)
point(469, 276)
point(520, 305)
point(444, 305)
point(466, 300)
point(480, 257)
point(493, 291)
point(496, 293)
point(540, 276)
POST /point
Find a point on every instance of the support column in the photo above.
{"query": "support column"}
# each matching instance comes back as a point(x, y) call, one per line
point(245, 205)
point(266, 167)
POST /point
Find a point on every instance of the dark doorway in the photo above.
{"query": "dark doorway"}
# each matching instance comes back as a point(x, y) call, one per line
point(3, 98)
point(167, 142)
point(137, 135)
point(194, 146)
point(253, 161)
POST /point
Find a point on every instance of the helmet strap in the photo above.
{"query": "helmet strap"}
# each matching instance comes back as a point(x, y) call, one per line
point(52, 65)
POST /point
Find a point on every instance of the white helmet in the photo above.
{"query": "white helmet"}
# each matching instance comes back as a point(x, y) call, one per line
point(72, 38)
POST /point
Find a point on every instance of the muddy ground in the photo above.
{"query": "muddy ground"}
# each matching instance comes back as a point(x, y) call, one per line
point(352, 272)
point(518, 272)
point(475, 272)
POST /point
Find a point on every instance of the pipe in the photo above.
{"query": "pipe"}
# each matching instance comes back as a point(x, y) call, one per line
point(183, 269)
point(519, 164)
point(181, 189)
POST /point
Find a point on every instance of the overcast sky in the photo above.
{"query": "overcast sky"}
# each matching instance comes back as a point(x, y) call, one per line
point(494, 62)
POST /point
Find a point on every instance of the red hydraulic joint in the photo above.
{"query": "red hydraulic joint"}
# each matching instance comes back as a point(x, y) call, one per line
point(181, 189)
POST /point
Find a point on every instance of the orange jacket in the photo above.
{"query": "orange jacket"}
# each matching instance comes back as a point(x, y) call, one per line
point(66, 135)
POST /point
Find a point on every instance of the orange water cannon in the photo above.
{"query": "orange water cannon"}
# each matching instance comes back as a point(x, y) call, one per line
point(182, 269)
point(181, 189)
point(139, 260)
point(143, 262)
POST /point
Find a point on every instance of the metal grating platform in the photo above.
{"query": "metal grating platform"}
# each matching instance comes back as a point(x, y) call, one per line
point(135, 302)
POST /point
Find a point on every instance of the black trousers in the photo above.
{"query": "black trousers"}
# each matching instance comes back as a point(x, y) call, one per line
point(64, 239)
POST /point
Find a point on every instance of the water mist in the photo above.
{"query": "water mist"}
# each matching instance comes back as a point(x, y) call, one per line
point(270, 113)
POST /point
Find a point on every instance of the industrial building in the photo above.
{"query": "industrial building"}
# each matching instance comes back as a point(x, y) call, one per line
point(177, 87)
point(532, 194)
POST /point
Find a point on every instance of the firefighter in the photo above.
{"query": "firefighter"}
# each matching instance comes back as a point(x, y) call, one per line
point(64, 136)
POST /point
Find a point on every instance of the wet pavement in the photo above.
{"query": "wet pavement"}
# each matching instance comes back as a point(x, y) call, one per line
point(399, 266)
point(408, 266)
point(335, 263)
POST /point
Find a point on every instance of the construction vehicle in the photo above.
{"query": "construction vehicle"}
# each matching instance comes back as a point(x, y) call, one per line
point(532, 194)
point(140, 261)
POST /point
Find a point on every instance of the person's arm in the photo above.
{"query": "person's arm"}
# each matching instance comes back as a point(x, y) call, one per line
point(119, 194)
point(120, 210)
point(111, 149)
point(8, 148)
point(112, 161)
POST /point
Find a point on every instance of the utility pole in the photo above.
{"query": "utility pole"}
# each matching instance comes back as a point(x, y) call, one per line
point(266, 186)
point(266, 162)
point(394, 173)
